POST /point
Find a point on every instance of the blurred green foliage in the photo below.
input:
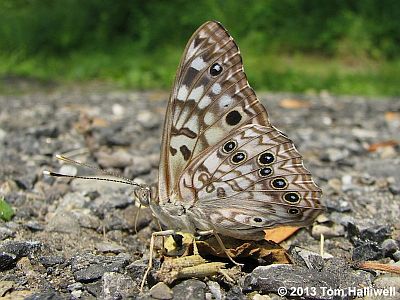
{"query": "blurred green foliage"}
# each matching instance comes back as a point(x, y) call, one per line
point(138, 43)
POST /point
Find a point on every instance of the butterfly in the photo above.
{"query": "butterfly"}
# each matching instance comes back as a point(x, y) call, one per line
point(223, 167)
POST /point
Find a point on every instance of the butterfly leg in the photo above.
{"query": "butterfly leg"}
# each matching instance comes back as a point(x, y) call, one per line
point(221, 244)
point(153, 236)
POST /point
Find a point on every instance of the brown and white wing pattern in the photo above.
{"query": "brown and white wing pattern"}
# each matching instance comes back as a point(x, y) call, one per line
point(211, 99)
point(252, 180)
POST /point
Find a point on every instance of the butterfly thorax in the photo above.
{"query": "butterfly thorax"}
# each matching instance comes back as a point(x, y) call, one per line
point(178, 215)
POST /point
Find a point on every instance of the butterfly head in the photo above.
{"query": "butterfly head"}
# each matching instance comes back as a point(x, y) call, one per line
point(143, 194)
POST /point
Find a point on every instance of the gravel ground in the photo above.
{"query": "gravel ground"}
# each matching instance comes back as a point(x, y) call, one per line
point(75, 239)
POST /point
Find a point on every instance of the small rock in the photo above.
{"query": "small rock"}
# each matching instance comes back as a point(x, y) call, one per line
point(136, 269)
point(108, 247)
point(89, 274)
point(117, 159)
point(335, 155)
point(89, 268)
point(6, 233)
point(117, 286)
point(140, 166)
point(34, 226)
point(328, 231)
point(86, 219)
point(236, 293)
point(148, 119)
point(335, 184)
point(347, 183)
point(50, 261)
point(396, 255)
point(75, 286)
point(368, 251)
point(376, 233)
point(191, 289)
point(7, 261)
point(20, 248)
point(64, 222)
point(337, 204)
point(161, 291)
point(394, 188)
point(76, 294)
point(94, 288)
point(68, 170)
point(118, 110)
point(390, 246)
point(27, 181)
point(215, 290)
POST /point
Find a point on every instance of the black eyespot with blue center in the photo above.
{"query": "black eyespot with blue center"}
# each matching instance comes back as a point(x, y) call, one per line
point(229, 146)
point(293, 211)
point(279, 183)
point(215, 69)
point(257, 220)
point(264, 172)
point(266, 158)
point(292, 197)
point(238, 157)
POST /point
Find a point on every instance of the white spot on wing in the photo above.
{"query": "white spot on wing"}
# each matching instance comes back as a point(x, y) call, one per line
point(204, 102)
point(209, 118)
point(214, 135)
point(182, 118)
point(192, 50)
point(182, 93)
point(225, 101)
point(216, 88)
point(198, 63)
point(193, 123)
point(196, 93)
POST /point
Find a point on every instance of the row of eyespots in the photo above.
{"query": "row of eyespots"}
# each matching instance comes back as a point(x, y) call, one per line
point(281, 183)
point(265, 158)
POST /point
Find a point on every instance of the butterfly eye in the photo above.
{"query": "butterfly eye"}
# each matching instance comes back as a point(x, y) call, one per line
point(238, 157)
point(264, 172)
point(292, 197)
point(293, 211)
point(215, 69)
point(279, 183)
point(229, 146)
point(266, 158)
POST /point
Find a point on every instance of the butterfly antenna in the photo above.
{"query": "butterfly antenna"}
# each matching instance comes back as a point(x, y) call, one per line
point(75, 162)
point(55, 174)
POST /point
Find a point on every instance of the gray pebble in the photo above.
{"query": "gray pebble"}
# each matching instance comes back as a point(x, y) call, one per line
point(390, 246)
point(161, 291)
point(191, 289)
point(117, 286)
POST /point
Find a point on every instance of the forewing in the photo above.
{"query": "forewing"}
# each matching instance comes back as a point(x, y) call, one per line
point(211, 98)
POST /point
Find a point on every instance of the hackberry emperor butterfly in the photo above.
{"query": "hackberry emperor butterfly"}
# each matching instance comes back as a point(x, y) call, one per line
point(224, 167)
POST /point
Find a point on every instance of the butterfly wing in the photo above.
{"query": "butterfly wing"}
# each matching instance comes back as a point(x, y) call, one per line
point(252, 180)
point(211, 98)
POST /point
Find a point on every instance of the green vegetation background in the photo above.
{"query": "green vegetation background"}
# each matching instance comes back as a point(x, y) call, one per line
point(343, 46)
